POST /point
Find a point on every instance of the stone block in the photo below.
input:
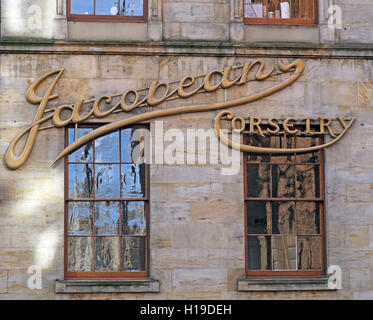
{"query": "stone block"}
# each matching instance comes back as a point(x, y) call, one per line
point(199, 279)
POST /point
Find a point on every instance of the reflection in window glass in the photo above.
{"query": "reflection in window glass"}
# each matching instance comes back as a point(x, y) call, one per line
point(80, 218)
point(81, 181)
point(105, 233)
point(84, 153)
point(283, 207)
point(133, 253)
point(107, 181)
point(107, 254)
point(81, 6)
point(131, 7)
point(107, 148)
point(133, 181)
point(107, 218)
point(134, 222)
point(106, 7)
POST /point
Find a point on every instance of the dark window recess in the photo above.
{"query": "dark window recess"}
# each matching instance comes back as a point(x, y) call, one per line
point(284, 208)
point(106, 206)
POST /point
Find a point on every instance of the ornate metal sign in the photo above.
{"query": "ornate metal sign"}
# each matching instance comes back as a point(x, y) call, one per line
point(185, 88)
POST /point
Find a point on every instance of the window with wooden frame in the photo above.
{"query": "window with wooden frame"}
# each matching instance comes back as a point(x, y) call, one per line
point(281, 12)
point(106, 206)
point(284, 208)
point(107, 10)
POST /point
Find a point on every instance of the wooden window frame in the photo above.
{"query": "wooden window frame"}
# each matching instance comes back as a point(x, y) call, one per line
point(122, 275)
point(320, 200)
point(284, 22)
point(106, 18)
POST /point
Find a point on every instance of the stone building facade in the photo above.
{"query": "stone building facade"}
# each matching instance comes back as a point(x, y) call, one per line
point(196, 219)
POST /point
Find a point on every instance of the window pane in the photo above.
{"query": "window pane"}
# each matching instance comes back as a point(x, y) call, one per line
point(107, 181)
point(133, 253)
point(107, 148)
point(133, 218)
point(257, 141)
point(308, 181)
point(131, 149)
point(258, 253)
point(80, 218)
point(81, 6)
point(309, 252)
point(133, 181)
point(291, 9)
point(283, 217)
point(107, 254)
point(308, 217)
point(106, 7)
point(278, 142)
point(283, 181)
point(80, 181)
point(309, 157)
point(258, 217)
point(107, 218)
point(131, 7)
point(85, 153)
point(80, 254)
point(258, 180)
point(284, 252)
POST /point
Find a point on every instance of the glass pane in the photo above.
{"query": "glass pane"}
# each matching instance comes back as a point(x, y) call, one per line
point(284, 252)
point(85, 153)
point(106, 7)
point(132, 151)
point(131, 7)
point(308, 181)
point(80, 218)
point(133, 253)
point(308, 218)
point(309, 157)
point(258, 253)
point(257, 141)
point(258, 180)
point(80, 180)
point(107, 181)
point(133, 218)
point(80, 254)
point(133, 181)
point(309, 252)
point(278, 142)
point(107, 217)
point(283, 217)
point(258, 217)
point(283, 181)
point(81, 6)
point(107, 148)
point(107, 254)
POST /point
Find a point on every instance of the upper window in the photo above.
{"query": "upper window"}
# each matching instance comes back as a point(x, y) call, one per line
point(284, 208)
point(106, 206)
point(287, 12)
point(107, 10)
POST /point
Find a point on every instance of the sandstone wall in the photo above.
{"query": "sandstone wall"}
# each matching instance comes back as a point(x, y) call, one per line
point(197, 217)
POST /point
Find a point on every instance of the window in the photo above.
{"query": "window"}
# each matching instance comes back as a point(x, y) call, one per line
point(284, 208)
point(107, 10)
point(288, 12)
point(106, 206)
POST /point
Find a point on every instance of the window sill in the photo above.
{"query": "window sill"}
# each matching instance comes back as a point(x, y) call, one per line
point(284, 284)
point(106, 286)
